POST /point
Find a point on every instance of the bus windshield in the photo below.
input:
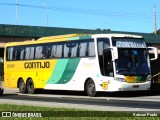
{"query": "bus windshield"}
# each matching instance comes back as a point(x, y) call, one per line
point(132, 61)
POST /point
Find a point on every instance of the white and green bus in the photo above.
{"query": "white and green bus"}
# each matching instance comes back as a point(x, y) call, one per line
point(90, 63)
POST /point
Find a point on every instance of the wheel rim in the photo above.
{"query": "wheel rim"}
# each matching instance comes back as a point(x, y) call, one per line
point(91, 88)
point(21, 86)
point(30, 86)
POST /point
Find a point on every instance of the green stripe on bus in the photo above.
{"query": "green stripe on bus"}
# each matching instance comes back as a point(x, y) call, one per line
point(58, 71)
point(74, 38)
point(79, 38)
point(141, 78)
point(84, 37)
point(69, 71)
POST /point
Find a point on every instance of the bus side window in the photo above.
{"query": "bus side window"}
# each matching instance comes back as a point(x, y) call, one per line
point(66, 50)
point(38, 53)
point(15, 55)
point(29, 53)
point(48, 52)
point(19, 53)
point(10, 53)
point(53, 51)
point(74, 50)
point(56, 51)
point(82, 49)
point(22, 54)
point(71, 49)
point(91, 49)
point(59, 52)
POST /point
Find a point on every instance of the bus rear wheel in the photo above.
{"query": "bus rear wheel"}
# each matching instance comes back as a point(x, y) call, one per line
point(90, 88)
point(30, 86)
point(22, 86)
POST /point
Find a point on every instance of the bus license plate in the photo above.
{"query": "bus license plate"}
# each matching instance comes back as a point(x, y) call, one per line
point(135, 86)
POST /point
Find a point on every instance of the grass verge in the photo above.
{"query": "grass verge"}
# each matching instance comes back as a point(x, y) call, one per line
point(46, 113)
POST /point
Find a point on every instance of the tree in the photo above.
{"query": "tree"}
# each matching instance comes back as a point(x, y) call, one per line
point(158, 31)
point(103, 29)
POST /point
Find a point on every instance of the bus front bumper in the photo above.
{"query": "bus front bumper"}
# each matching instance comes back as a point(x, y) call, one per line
point(123, 86)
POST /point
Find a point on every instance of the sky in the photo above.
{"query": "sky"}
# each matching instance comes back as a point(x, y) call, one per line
point(116, 15)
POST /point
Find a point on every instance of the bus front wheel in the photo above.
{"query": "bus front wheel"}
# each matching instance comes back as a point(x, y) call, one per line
point(22, 86)
point(30, 86)
point(90, 88)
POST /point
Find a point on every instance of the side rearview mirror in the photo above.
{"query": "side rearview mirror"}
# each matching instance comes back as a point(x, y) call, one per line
point(153, 50)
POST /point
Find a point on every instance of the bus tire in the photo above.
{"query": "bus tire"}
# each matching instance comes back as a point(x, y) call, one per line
point(22, 86)
point(1, 92)
point(90, 88)
point(30, 86)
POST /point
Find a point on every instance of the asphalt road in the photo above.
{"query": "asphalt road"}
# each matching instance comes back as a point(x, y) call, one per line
point(127, 101)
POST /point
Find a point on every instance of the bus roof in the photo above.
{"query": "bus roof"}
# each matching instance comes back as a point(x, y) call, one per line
point(67, 36)
point(48, 39)
point(116, 35)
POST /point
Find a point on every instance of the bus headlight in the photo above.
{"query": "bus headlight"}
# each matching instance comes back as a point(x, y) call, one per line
point(121, 79)
point(149, 77)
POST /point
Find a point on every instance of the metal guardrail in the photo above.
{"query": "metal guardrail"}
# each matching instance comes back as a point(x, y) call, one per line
point(156, 74)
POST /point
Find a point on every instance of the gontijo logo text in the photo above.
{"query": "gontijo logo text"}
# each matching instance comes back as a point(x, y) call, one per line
point(31, 65)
